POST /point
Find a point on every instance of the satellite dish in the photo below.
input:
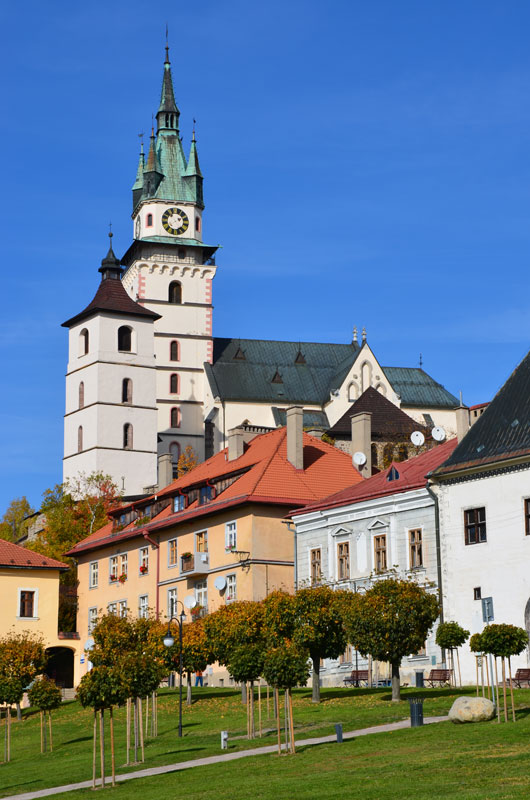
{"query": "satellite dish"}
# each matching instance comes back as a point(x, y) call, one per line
point(438, 434)
point(89, 644)
point(190, 601)
point(359, 458)
point(220, 582)
point(417, 438)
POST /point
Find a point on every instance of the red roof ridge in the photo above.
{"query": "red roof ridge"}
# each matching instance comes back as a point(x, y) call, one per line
point(13, 555)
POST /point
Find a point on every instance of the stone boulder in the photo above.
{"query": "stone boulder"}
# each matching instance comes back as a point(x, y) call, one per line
point(471, 709)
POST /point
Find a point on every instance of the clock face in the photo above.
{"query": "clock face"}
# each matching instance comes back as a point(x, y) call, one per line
point(175, 221)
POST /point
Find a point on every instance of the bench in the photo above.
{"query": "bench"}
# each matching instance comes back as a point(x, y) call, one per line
point(522, 676)
point(357, 675)
point(442, 677)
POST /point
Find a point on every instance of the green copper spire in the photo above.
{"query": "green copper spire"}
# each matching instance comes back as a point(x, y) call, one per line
point(193, 174)
point(153, 174)
point(139, 182)
point(167, 117)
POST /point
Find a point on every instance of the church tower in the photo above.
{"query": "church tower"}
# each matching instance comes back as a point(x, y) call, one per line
point(170, 271)
point(111, 417)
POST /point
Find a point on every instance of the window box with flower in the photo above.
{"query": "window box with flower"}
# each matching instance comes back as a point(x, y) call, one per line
point(123, 577)
point(144, 569)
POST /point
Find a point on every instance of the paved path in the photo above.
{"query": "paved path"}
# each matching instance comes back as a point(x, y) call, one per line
point(201, 762)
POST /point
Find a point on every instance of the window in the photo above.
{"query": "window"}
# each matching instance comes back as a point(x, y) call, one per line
point(174, 383)
point(122, 608)
point(343, 550)
point(80, 439)
point(113, 568)
point(93, 571)
point(316, 565)
point(208, 438)
point(181, 252)
point(477, 593)
point(231, 535)
point(27, 603)
point(527, 516)
point(123, 564)
point(92, 618)
point(197, 223)
point(201, 542)
point(149, 221)
point(174, 420)
point(415, 549)
point(144, 560)
point(81, 395)
point(127, 436)
point(475, 525)
point(346, 657)
point(112, 608)
point(201, 593)
point(143, 608)
point(83, 342)
point(171, 602)
point(230, 588)
point(174, 351)
point(175, 293)
point(172, 552)
point(380, 553)
point(125, 339)
point(126, 390)
point(206, 493)
point(179, 502)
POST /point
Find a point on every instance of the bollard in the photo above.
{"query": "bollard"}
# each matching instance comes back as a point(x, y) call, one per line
point(416, 711)
point(224, 740)
point(419, 679)
point(338, 731)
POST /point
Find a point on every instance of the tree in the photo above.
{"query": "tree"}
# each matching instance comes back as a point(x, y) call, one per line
point(246, 665)
point(11, 691)
point(22, 656)
point(392, 619)
point(14, 524)
point(450, 636)
point(187, 461)
point(45, 695)
point(285, 667)
point(504, 641)
point(196, 654)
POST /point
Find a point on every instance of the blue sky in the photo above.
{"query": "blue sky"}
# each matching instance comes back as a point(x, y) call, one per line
point(365, 163)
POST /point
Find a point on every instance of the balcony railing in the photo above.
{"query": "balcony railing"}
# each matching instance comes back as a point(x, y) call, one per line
point(195, 564)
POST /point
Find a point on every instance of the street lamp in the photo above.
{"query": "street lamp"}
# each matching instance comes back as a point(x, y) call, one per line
point(169, 641)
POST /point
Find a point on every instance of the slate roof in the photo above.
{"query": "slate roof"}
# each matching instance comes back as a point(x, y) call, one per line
point(388, 421)
point(417, 389)
point(503, 429)
point(12, 555)
point(111, 296)
point(311, 419)
point(266, 476)
point(411, 475)
point(250, 377)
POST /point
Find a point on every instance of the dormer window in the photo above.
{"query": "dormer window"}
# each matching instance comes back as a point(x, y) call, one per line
point(393, 475)
point(277, 378)
point(179, 502)
point(206, 494)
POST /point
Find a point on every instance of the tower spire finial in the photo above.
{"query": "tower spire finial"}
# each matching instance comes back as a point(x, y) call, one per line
point(354, 339)
point(364, 334)
point(193, 133)
point(167, 46)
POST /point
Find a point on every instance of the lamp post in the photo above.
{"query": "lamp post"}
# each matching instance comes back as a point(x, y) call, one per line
point(169, 641)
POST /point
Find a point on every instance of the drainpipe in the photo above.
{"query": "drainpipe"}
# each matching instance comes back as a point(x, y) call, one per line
point(438, 555)
point(157, 548)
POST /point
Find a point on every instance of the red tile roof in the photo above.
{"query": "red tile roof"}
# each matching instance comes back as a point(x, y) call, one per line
point(12, 555)
point(266, 477)
point(412, 475)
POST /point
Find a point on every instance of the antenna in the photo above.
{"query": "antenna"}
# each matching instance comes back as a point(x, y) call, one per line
point(190, 601)
point(438, 434)
point(417, 438)
point(359, 458)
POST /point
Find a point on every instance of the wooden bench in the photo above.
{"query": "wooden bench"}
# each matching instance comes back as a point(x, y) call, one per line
point(442, 677)
point(522, 676)
point(357, 675)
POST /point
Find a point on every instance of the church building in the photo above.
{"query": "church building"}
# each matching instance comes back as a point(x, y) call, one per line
point(146, 377)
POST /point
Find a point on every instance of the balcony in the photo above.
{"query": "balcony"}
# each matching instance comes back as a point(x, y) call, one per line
point(194, 564)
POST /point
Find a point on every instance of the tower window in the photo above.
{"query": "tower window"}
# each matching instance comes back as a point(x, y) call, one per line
point(175, 293)
point(174, 449)
point(175, 418)
point(125, 338)
point(80, 439)
point(197, 223)
point(149, 221)
point(174, 384)
point(167, 120)
point(174, 351)
point(126, 390)
point(182, 252)
point(81, 395)
point(83, 342)
point(127, 436)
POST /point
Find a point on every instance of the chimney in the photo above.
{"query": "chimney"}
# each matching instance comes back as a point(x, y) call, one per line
point(165, 470)
point(295, 436)
point(361, 440)
point(462, 422)
point(236, 443)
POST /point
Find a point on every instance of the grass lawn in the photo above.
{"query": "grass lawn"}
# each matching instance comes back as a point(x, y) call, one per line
point(485, 760)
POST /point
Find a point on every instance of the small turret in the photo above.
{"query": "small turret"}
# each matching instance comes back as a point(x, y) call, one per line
point(193, 175)
point(138, 185)
point(153, 174)
point(110, 268)
point(167, 116)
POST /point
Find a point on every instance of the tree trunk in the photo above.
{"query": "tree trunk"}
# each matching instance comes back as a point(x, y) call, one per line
point(395, 683)
point(50, 726)
point(8, 733)
point(259, 707)
point(188, 690)
point(315, 658)
point(503, 662)
point(135, 729)
point(128, 735)
point(41, 736)
point(277, 706)
point(44, 729)
point(94, 752)
point(252, 725)
point(141, 729)
point(19, 713)
point(112, 756)
point(102, 747)
point(243, 694)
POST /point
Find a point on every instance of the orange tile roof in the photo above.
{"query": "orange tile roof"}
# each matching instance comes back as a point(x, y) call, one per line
point(12, 555)
point(267, 477)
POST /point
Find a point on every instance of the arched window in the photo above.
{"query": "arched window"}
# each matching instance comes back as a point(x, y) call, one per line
point(149, 221)
point(81, 395)
point(403, 453)
point(125, 338)
point(197, 223)
point(174, 351)
point(127, 436)
point(174, 384)
point(80, 439)
point(126, 390)
point(167, 120)
point(175, 418)
point(175, 293)
point(83, 342)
